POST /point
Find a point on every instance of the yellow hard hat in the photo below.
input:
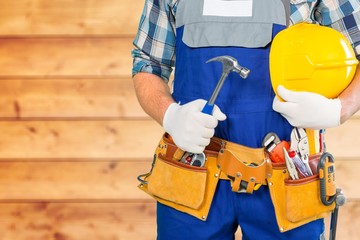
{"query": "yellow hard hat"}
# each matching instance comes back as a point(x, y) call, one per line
point(312, 58)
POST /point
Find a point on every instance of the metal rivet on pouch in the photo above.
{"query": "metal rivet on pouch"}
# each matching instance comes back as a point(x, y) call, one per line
point(281, 229)
point(203, 217)
point(216, 175)
point(221, 151)
point(270, 183)
point(141, 185)
point(284, 171)
point(269, 175)
point(218, 166)
point(252, 179)
point(238, 174)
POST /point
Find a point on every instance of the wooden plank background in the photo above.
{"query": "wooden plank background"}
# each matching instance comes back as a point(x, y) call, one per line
point(74, 137)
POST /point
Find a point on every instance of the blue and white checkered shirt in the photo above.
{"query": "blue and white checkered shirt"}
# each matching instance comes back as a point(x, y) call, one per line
point(155, 40)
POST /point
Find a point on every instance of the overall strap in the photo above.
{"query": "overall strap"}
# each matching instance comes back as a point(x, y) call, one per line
point(287, 10)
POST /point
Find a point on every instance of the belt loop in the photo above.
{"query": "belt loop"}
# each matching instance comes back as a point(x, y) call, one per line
point(250, 185)
point(237, 182)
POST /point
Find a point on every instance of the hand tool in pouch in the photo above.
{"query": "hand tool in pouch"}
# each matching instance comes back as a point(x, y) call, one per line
point(274, 147)
point(300, 150)
point(229, 64)
point(326, 169)
point(328, 191)
point(290, 166)
point(322, 142)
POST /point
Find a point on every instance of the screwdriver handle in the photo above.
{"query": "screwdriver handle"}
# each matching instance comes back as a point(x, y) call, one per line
point(208, 109)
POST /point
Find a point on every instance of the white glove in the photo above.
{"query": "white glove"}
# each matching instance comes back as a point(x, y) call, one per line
point(191, 129)
point(307, 109)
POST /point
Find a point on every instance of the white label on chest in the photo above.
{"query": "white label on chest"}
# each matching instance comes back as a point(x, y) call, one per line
point(228, 8)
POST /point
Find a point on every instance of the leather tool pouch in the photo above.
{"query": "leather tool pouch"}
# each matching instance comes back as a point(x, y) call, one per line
point(296, 202)
point(187, 188)
point(247, 168)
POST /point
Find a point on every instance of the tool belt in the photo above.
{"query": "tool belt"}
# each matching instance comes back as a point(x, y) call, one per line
point(190, 189)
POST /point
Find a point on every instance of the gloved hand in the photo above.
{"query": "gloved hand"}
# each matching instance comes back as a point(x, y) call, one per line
point(307, 109)
point(191, 129)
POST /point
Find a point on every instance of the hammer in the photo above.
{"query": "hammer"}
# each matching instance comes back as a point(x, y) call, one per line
point(229, 64)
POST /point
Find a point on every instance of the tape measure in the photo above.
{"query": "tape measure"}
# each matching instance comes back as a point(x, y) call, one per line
point(326, 169)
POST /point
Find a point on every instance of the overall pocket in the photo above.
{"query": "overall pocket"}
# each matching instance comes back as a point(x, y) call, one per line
point(296, 202)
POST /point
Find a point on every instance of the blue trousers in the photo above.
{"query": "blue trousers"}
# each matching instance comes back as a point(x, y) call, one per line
point(253, 212)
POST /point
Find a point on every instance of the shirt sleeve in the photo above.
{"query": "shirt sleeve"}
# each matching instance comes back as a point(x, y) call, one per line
point(154, 43)
point(344, 16)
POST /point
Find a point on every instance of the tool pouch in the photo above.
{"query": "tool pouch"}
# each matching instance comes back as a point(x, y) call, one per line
point(246, 168)
point(296, 202)
point(187, 188)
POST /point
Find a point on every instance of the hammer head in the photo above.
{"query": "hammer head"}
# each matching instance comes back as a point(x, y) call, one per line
point(230, 64)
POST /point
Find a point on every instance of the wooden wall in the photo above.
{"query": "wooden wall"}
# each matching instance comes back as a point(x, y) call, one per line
point(74, 138)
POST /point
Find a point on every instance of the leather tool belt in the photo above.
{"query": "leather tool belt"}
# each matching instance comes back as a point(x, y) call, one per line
point(190, 189)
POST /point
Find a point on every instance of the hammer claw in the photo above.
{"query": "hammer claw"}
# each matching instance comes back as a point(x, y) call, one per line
point(229, 64)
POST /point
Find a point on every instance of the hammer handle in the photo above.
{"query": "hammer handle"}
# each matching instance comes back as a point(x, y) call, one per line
point(208, 109)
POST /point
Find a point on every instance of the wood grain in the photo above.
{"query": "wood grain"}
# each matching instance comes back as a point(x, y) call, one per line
point(110, 221)
point(77, 221)
point(69, 98)
point(79, 139)
point(86, 57)
point(69, 17)
point(77, 180)
point(343, 141)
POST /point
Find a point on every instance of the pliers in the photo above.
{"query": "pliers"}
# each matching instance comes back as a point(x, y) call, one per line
point(299, 142)
point(290, 166)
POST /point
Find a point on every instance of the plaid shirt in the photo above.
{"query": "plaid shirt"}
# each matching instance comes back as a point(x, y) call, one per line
point(155, 40)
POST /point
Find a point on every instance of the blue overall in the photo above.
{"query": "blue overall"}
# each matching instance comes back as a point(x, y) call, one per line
point(247, 104)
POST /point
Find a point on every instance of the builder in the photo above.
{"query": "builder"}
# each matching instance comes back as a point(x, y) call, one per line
point(185, 34)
